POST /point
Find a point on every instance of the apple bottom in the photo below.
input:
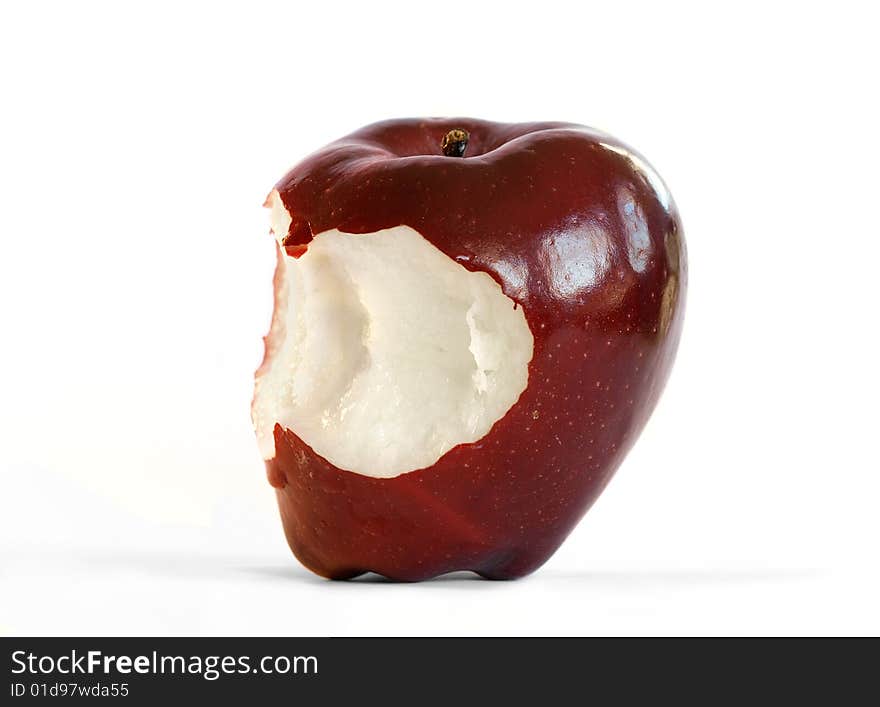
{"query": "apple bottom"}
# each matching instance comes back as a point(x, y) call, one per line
point(415, 526)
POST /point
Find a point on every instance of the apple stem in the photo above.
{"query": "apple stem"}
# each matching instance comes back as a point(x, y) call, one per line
point(455, 142)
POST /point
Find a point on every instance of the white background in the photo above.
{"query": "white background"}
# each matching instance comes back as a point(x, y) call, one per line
point(137, 142)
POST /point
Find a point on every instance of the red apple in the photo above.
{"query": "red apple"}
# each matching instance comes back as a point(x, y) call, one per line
point(473, 322)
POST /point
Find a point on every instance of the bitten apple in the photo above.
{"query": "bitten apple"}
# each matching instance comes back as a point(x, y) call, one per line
point(473, 322)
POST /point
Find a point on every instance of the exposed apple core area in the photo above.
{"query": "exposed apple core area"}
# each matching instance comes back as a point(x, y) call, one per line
point(384, 353)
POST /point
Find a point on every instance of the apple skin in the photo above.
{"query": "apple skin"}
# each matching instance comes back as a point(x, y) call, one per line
point(578, 230)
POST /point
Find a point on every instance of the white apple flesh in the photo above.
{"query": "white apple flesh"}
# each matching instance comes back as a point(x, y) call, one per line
point(384, 353)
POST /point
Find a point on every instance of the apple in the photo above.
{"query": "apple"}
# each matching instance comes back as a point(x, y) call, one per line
point(473, 322)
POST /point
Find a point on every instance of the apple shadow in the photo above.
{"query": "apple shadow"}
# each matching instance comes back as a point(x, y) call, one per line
point(297, 572)
point(178, 564)
point(635, 579)
point(194, 565)
point(616, 579)
point(465, 576)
